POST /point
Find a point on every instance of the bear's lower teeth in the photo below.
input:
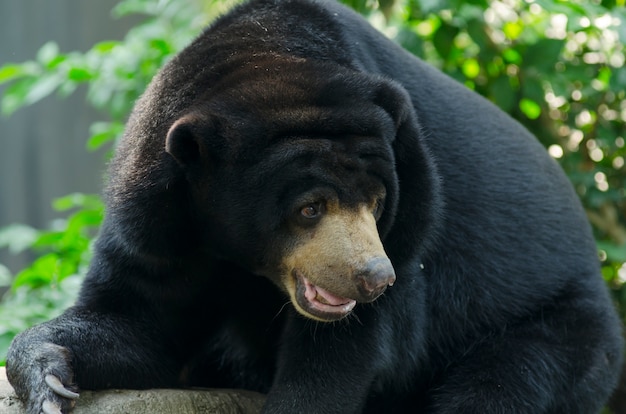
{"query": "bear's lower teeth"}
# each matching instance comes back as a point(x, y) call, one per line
point(321, 299)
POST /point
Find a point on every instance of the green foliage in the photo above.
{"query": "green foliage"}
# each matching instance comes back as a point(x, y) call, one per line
point(116, 73)
point(50, 283)
point(556, 66)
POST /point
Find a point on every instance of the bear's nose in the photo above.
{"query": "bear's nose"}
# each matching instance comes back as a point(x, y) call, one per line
point(374, 278)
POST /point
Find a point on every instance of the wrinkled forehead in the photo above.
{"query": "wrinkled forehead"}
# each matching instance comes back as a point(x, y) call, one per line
point(354, 168)
point(354, 152)
point(273, 99)
point(285, 122)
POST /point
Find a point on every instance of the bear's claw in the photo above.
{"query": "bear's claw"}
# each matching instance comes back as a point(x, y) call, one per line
point(57, 386)
point(49, 407)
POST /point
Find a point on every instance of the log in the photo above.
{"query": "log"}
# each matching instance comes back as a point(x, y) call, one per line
point(154, 401)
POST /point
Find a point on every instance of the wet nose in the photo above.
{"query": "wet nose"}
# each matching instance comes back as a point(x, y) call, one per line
point(374, 278)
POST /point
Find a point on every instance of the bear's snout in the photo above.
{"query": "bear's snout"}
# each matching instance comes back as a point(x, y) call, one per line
point(374, 278)
point(337, 263)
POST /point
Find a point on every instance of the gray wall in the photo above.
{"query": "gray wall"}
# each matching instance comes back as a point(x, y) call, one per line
point(42, 147)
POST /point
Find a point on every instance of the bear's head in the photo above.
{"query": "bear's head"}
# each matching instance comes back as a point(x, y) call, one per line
point(290, 171)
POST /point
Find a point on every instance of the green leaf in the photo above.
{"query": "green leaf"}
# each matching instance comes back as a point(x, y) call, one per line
point(614, 252)
point(103, 133)
point(49, 239)
point(530, 108)
point(67, 202)
point(410, 41)
point(571, 9)
point(543, 54)
point(532, 89)
point(5, 276)
point(163, 47)
point(481, 3)
point(48, 53)
point(41, 272)
point(618, 78)
point(42, 87)
point(86, 218)
point(10, 72)
point(433, 6)
point(18, 237)
point(99, 95)
point(66, 89)
point(56, 61)
point(513, 30)
point(79, 74)
point(471, 68)
point(621, 28)
point(105, 47)
point(476, 30)
point(511, 55)
point(15, 95)
point(127, 7)
point(443, 40)
point(503, 93)
point(77, 200)
point(604, 78)
point(29, 90)
point(465, 11)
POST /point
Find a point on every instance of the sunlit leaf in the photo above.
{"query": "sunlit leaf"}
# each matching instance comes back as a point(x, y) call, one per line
point(42, 87)
point(162, 46)
point(471, 68)
point(86, 218)
point(17, 237)
point(512, 55)
point(77, 200)
point(47, 53)
point(79, 74)
point(103, 133)
point(5, 276)
point(10, 72)
point(531, 109)
point(127, 7)
point(15, 95)
point(512, 30)
point(41, 272)
point(104, 47)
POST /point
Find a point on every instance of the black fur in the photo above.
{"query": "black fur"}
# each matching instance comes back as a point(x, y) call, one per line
point(498, 306)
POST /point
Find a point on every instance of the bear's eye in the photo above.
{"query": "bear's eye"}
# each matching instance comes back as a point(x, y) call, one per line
point(312, 211)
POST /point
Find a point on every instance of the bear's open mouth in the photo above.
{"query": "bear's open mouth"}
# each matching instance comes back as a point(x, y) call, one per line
point(319, 302)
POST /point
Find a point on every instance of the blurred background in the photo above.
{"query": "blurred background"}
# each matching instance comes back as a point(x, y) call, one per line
point(43, 153)
point(70, 71)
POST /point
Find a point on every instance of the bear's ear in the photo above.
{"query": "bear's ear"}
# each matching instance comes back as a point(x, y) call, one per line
point(187, 139)
point(418, 179)
point(394, 99)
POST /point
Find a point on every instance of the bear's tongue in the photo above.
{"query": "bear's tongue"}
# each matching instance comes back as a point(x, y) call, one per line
point(315, 293)
point(319, 302)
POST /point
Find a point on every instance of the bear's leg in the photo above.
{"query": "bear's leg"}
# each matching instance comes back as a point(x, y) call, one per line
point(328, 367)
point(562, 362)
point(94, 350)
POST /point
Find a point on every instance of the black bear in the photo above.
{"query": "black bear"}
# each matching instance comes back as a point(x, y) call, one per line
point(435, 257)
